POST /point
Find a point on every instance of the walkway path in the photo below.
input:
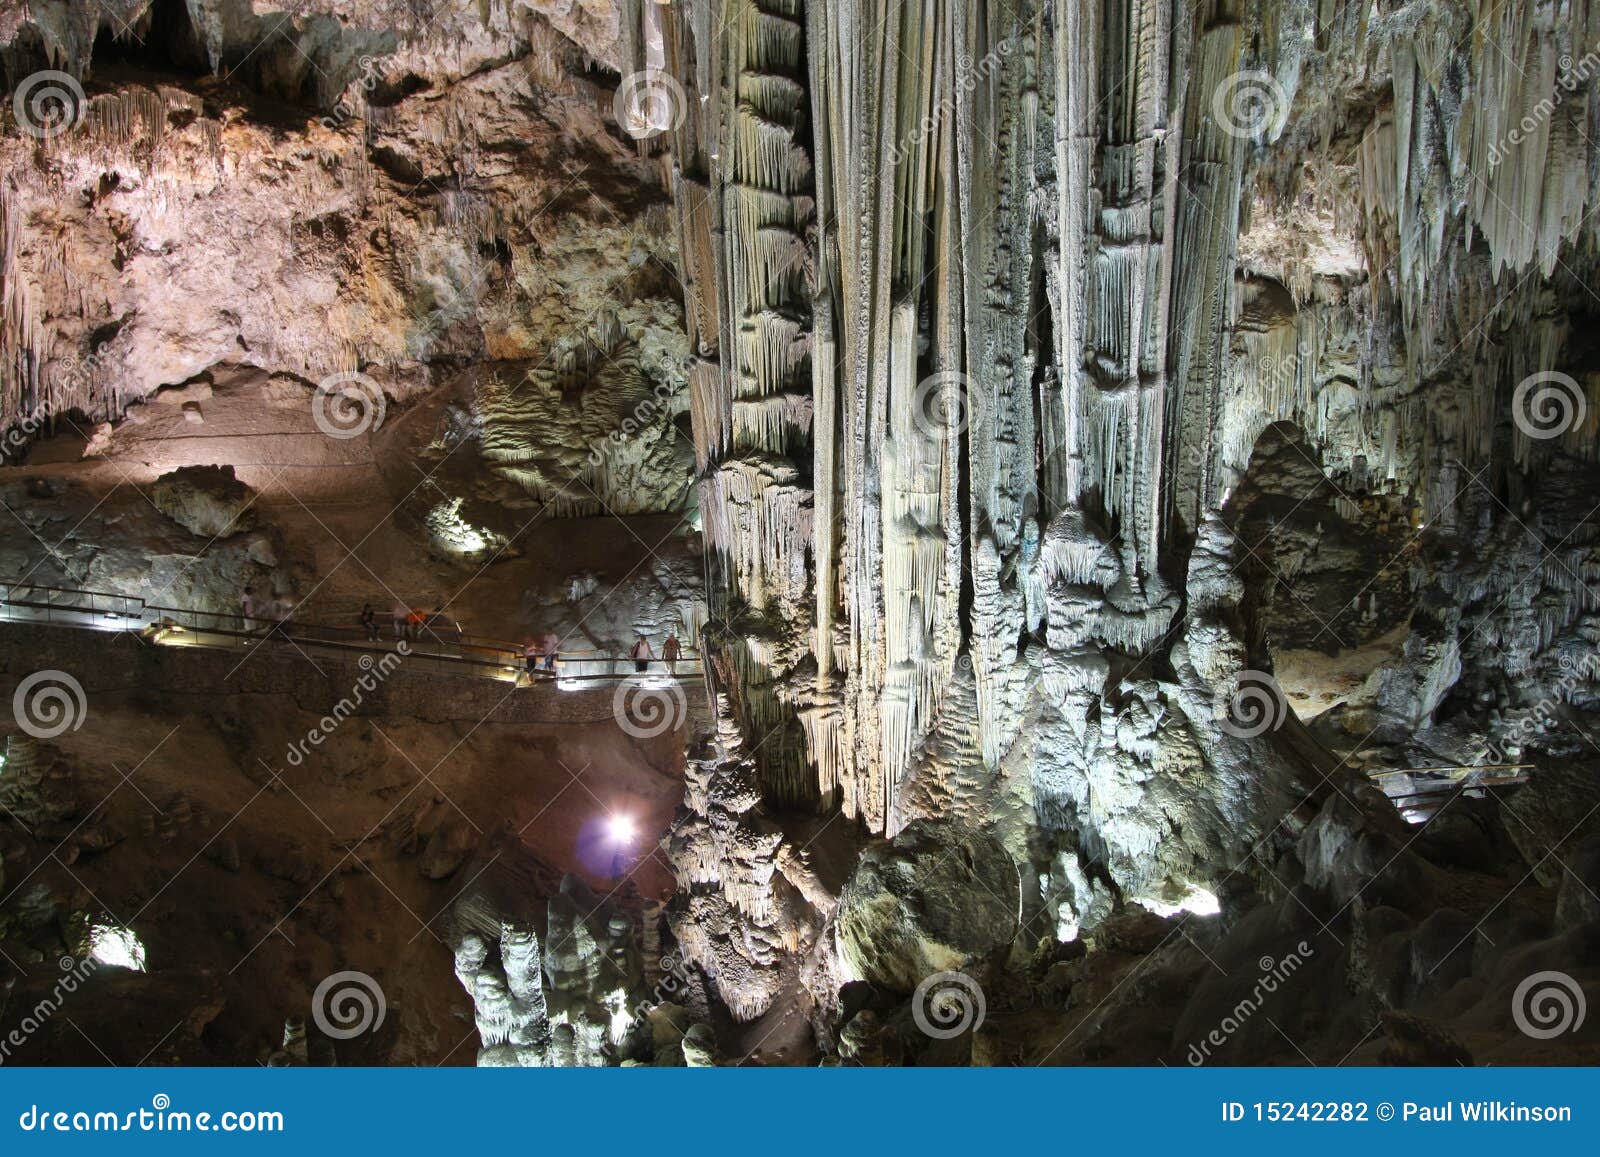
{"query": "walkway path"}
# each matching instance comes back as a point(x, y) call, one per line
point(460, 654)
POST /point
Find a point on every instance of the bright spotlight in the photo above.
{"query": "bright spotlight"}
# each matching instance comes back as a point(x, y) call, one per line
point(621, 829)
point(116, 946)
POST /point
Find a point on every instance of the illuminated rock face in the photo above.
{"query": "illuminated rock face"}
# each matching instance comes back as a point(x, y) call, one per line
point(991, 307)
point(934, 899)
point(205, 500)
point(562, 986)
point(439, 191)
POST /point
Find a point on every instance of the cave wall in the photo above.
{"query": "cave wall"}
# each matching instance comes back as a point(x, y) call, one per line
point(391, 190)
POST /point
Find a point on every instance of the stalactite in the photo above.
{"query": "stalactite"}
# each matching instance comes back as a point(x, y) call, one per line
point(744, 183)
point(1040, 217)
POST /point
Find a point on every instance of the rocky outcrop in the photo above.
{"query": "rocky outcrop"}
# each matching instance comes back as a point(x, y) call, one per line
point(425, 201)
point(931, 900)
point(562, 981)
point(206, 500)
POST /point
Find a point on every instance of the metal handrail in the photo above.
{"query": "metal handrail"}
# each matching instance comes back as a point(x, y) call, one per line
point(1454, 787)
point(488, 651)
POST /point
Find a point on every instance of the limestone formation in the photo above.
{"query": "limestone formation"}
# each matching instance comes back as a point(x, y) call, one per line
point(1125, 470)
point(205, 500)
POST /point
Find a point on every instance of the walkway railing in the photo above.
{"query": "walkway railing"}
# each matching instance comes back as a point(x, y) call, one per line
point(442, 641)
point(1419, 798)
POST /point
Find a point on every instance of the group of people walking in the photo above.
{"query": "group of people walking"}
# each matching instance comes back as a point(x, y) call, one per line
point(540, 654)
point(671, 652)
point(412, 624)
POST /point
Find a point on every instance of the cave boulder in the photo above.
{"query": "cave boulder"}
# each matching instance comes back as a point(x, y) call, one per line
point(937, 898)
point(1350, 850)
point(205, 500)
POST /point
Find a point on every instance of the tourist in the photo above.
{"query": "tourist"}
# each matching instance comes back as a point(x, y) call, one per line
point(552, 646)
point(641, 655)
point(369, 622)
point(670, 652)
point(530, 655)
point(415, 622)
point(247, 609)
point(400, 615)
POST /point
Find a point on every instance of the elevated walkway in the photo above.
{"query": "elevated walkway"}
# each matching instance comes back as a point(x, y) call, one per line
point(439, 644)
point(115, 643)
